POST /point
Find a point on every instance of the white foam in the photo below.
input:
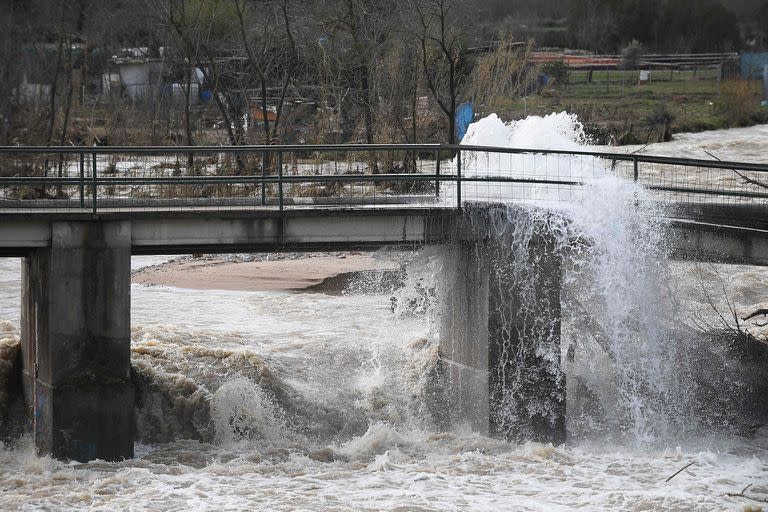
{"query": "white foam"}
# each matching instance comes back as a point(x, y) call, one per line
point(560, 131)
point(242, 411)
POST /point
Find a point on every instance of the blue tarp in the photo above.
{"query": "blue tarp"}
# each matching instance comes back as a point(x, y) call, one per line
point(465, 114)
point(752, 65)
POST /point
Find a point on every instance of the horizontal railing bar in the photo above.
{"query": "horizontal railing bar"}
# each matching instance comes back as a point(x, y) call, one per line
point(249, 180)
point(180, 150)
point(319, 178)
point(501, 179)
point(702, 191)
point(624, 157)
point(32, 180)
point(234, 180)
point(356, 148)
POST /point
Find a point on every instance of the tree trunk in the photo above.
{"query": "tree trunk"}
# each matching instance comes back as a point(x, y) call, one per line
point(188, 123)
point(67, 110)
point(52, 112)
point(365, 87)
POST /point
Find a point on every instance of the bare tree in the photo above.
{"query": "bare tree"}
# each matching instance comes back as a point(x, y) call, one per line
point(441, 43)
point(398, 88)
point(10, 78)
point(199, 25)
point(356, 33)
point(746, 180)
point(503, 73)
point(271, 55)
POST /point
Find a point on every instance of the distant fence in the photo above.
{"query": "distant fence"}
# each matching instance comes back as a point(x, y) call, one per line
point(608, 70)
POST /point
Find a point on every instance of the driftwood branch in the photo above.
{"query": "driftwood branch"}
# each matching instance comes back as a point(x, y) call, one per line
point(750, 181)
point(747, 179)
point(680, 471)
point(759, 312)
point(743, 494)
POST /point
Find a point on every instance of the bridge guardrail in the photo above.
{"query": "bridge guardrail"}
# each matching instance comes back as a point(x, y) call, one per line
point(101, 179)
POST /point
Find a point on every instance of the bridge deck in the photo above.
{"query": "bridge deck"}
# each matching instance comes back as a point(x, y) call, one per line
point(277, 197)
point(186, 230)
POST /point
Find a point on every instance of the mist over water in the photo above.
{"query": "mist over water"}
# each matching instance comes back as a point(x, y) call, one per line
point(311, 402)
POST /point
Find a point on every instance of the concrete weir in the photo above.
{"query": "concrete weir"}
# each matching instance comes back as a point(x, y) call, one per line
point(76, 342)
point(500, 333)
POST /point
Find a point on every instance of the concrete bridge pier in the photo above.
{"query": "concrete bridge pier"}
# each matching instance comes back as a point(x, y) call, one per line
point(500, 339)
point(464, 341)
point(76, 342)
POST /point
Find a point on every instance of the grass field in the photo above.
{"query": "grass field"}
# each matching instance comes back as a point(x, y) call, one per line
point(616, 108)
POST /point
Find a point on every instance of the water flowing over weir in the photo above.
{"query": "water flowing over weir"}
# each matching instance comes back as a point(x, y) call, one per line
point(605, 244)
point(283, 390)
point(500, 325)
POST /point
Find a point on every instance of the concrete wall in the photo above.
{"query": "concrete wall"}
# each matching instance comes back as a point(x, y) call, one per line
point(500, 341)
point(181, 232)
point(526, 382)
point(698, 241)
point(463, 292)
point(76, 342)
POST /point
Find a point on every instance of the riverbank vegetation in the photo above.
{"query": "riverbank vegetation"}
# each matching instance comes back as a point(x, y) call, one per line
point(617, 109)
point(192, 72)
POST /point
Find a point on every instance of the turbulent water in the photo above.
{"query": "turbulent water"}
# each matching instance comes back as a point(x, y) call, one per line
point(281, 401)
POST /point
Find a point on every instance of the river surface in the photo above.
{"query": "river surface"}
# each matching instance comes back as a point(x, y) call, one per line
point(298, 401)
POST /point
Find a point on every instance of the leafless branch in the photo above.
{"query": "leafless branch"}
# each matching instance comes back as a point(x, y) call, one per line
point(747, 180)
point(743, 494)
point(680, 471)
point(759, 312)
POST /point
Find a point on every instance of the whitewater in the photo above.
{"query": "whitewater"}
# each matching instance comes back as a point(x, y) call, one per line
point(304, 401)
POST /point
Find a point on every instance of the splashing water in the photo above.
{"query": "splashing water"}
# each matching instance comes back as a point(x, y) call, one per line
point(553, 132)
point(242, 411)
point(612, 237)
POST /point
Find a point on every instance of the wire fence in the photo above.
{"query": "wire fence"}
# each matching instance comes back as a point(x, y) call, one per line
point(114, 179)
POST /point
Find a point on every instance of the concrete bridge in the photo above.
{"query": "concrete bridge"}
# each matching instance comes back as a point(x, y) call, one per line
point(77, 248)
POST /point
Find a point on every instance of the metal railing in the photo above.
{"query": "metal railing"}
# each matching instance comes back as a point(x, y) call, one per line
point(105, 179)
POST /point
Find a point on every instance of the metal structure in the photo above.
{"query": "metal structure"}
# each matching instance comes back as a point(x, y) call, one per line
point(114, 179)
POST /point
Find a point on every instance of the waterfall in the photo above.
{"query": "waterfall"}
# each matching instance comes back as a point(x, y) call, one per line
point(619, 349)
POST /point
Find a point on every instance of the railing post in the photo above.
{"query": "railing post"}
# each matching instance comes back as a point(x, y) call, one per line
point(82, 180)
point(637, 170)
point(280, 180)
point(458, 178)
point(437, 173)
point(264, 163)
point(94, 181)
